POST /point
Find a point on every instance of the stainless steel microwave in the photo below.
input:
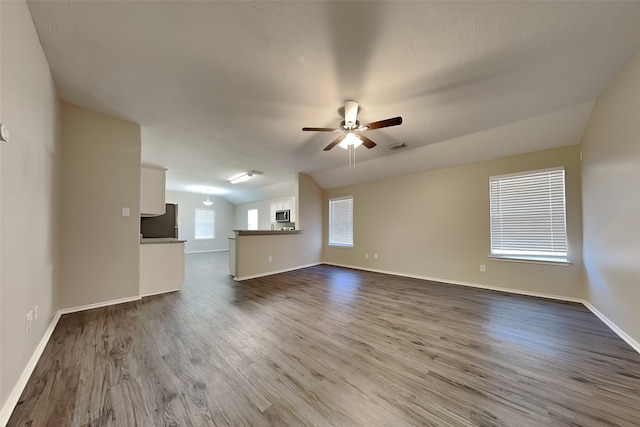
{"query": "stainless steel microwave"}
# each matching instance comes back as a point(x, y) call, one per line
point(283, 215)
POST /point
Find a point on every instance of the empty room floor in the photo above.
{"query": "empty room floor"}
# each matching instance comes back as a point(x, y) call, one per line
point(332, 346)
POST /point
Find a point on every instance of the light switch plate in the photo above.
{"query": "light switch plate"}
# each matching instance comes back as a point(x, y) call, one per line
point(126, 212)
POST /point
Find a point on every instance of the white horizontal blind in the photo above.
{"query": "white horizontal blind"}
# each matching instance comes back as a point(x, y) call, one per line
point(205, 224)
point(341, 221)
point(528, 215)
point(252, 219)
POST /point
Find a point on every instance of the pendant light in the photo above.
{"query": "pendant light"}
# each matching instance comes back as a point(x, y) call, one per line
point(207, 202)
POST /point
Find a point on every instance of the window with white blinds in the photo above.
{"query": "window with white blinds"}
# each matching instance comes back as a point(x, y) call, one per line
point(252, 219)
point(527, 213)
point(341, 221)
point(205, 224)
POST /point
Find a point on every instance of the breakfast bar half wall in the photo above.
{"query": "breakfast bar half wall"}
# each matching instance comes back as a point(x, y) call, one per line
point(256, 253)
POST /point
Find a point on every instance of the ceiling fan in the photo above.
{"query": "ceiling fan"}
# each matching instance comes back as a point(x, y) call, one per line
point(351, 129)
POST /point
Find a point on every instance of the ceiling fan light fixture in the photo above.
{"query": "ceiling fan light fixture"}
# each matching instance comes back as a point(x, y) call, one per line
point(350, 139)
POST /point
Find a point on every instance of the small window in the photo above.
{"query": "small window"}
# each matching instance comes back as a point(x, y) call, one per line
point(205, 224)
point(528, 219)
point(341, 222)
point(252, 219)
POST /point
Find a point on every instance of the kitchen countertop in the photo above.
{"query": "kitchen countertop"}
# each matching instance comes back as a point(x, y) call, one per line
point(265, 232)
point(153, 240)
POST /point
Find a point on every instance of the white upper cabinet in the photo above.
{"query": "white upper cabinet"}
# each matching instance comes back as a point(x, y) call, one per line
point(152, 190)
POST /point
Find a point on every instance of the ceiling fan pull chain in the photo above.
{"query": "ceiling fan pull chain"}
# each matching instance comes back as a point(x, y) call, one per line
point(352, 157)
point(353, 149)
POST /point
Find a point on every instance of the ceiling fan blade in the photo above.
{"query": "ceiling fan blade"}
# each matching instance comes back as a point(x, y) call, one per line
point(320, 129)
point(395, 121)
point(366, 141)
point(335, 142)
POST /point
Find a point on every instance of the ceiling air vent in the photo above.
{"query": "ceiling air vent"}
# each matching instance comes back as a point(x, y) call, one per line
point(398, 146)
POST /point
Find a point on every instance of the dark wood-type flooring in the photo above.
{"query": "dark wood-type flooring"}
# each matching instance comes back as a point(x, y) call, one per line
point(330, 346)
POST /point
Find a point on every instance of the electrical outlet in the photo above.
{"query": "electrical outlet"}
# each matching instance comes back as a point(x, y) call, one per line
point(270, 258)
point(366, 256)
point(483, 268)
point(35, 313)
point(375, 256)
point(126, 212)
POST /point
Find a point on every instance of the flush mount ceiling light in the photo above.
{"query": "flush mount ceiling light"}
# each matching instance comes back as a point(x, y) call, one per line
point(241, 178)
point(244, 177)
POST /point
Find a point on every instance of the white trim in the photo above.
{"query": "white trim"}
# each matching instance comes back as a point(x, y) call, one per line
point(633, 343)
point(98, 305)
point(18, 388)
point(469, 284)
point(254, 276)
point(208, 250)
point(158, 293)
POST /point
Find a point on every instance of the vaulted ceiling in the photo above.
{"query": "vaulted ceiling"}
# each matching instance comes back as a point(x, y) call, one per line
point(222, 88)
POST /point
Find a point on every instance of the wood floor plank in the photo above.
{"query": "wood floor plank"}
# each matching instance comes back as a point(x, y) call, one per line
point(332, 346)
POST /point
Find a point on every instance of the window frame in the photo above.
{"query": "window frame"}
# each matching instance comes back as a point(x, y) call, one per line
point(330, 229)
point(524, 255)
point(213, 224)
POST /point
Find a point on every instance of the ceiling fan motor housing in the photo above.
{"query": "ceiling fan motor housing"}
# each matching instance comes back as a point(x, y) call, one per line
point(350, 114)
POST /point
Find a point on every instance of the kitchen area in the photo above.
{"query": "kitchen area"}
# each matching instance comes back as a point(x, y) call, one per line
point(162, 258)
point(267, 242)
point(274, 246)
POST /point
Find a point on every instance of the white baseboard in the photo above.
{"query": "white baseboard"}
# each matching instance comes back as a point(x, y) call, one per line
point(209, 250)
point(18, 388)
point(469, 284)
point(159, 293)
point(633, 343)
point(98, 305)
point(269, 273)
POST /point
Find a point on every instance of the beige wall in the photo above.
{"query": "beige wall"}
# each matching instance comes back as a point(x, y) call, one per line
point(29, 194)
point(187, 205)
point(291, 250)
point(100, 175)
point(436, 225)
point(611, 188)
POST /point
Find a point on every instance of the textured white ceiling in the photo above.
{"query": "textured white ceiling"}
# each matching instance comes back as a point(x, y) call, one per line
point(221, 88)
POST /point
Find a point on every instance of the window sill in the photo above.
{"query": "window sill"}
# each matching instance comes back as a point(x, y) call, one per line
point(337, 245)
point(532, 260)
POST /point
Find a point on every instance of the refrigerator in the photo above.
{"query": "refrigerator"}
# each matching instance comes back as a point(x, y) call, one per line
point(162, 225)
